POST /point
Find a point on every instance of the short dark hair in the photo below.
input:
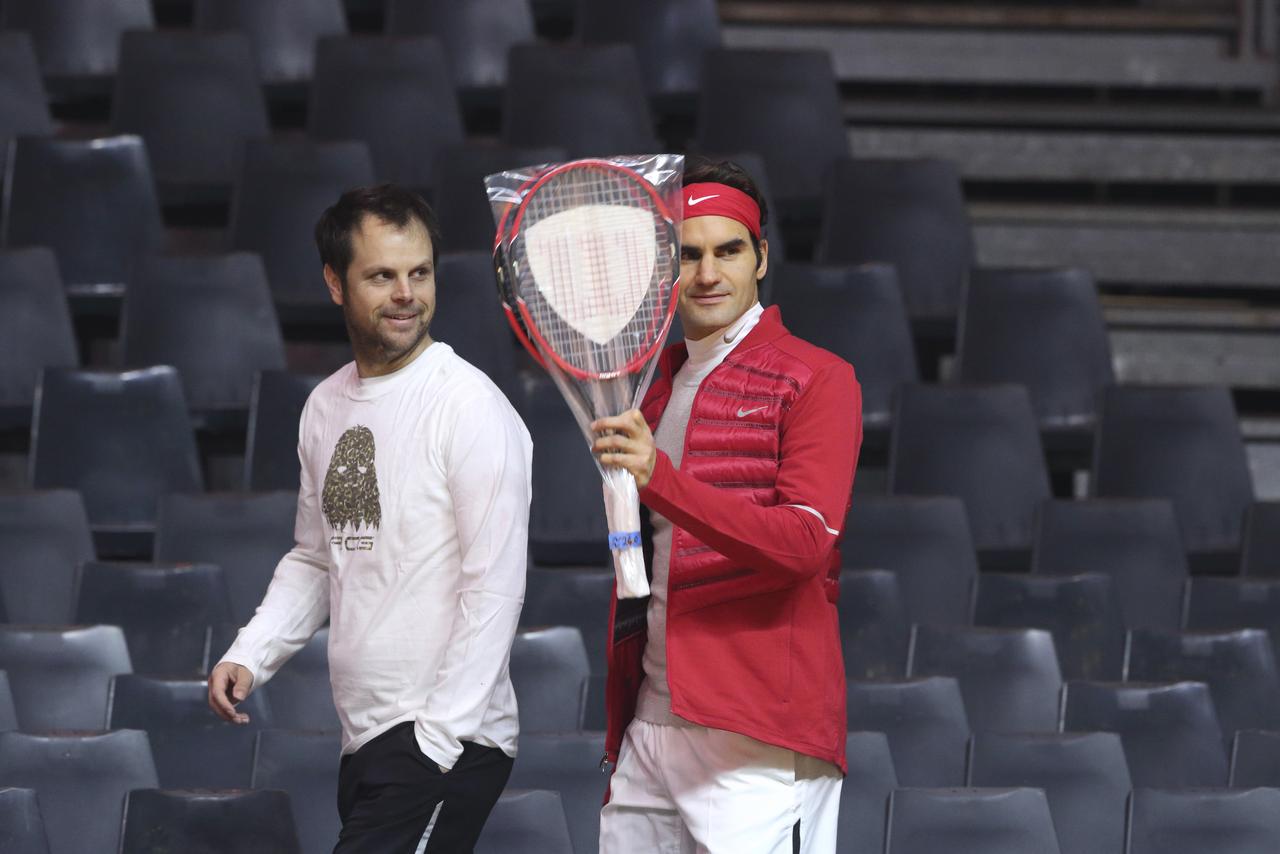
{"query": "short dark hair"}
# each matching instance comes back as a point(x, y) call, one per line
point(703, 170)
point(391, 204)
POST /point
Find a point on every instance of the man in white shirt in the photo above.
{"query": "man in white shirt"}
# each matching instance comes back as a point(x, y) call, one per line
point(411, 535)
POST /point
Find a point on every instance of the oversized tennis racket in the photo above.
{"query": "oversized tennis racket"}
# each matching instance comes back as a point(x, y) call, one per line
point(588, 263)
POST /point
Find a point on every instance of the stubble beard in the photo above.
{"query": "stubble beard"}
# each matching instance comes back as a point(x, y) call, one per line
point(375, 348)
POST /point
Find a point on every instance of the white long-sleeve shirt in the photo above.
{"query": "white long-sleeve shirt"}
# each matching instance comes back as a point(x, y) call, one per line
point(411, 532)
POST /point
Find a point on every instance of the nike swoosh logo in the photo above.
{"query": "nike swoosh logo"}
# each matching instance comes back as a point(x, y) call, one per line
point(692, 201)
point(743, 413)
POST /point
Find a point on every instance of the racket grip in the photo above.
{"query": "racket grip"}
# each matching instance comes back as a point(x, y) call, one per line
point(622, 510)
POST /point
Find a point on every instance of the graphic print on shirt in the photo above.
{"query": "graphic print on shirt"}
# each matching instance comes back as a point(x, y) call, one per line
point(351, 491)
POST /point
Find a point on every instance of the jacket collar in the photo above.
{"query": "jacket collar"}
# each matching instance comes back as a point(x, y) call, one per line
point(767, 329)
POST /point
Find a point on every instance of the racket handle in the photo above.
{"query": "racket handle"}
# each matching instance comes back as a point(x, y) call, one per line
point(622, 510)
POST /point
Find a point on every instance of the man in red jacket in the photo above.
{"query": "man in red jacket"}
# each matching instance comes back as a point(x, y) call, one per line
point(726, 693)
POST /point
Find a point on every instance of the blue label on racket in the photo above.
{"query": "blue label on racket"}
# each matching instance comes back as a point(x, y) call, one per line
point(626, 540)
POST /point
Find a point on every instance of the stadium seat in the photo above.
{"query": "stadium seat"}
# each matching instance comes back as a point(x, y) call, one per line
point(395, 95)
point(1043, 329)
point(1221, 604)
point(208, 822)
point(476, 36)
point(925, 542)
point(60, 675)
point(8, 710)
point(1083, 775)
point(669, 37)
point(1170, 732)
point(209, 316)
point(68, 195)
point(858, 314)
point(1135, 541)
point(460, 199)
point(35, 330)
point(588, 100)
point(1078, 610)
point(1239, 667)
point(195, 99)
point(970, 821)
point(165, 611)
point(246, 535)
point(873, 624)
point(24, 105)
point(304, 764)
point(549, 672)
point(925, 722)
point(526, 822)
point(1192, 822)
point(44, 537)
point(82, 779)
point(1260, 553)
point(21, 824)
point(572, 597)
point(283, 34)
point(593, 718)
point(192, 748)
point(1255, 759)
point(271, 448)
point(1180, 443)
point(884, 211)
point(1009, 677)
point(280, 193)
point(469, 318)
point(979, 443)
point(300, 693)
point(567, 763)
point(122, 438)
point(781, 104)
point(864, 794)
point(77, 39)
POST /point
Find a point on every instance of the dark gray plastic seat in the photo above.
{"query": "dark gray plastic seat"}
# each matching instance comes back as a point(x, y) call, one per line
point(77, 39)
point(874, 629)
point(1163, 821)
point(1135, 541)
point(1170, 731)
point(1222, 604)
point(208, 822)
point(925, 542)
point(460, 199)
point(271, 449)
point(300, 694)
point(864, 794)
point(283, 34)
point(572, 597)
point(1255, 759)
point(1084, 777)
point(60, 675)
point(8, 710)
point(1009, 677)
point(82, 780)
point(924, 720)
point(245, 534)
point(669, 37)
point(549, 671)
point(970, 821)
point(304, 764)
point(526, 821)
point(1260, 552)
point(567, 763)
point(24, 104)
point(1078, 610)
point(35, 330)
point(21, 824)
point(44, 536)
point(476, 36)
point(469, 318)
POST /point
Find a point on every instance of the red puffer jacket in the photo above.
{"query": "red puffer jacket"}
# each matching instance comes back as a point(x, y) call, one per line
point(753, 640)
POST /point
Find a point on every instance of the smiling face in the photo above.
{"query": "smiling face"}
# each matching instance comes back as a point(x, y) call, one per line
point(719, 275)
point(388, 296)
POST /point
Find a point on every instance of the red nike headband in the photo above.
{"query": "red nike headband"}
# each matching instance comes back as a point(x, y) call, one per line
point(709, 199)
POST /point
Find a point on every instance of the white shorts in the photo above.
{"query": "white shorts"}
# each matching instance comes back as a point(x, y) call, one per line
point(693, 790)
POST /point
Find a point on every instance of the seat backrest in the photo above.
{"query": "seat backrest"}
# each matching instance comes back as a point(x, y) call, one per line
point(1179, 443)
point(300, 693)
point(925, 542)
point(1255, 759)
point(1170, 732)
point(394, 94)
point(60, 675)
point(1009, 677)
point(858, 314)
point(68, 194)
point(144, 702)
point(1225, 821)
point(669, 36)
point(122, 438)
point(8, 711)
point(572, 597)
point(1222, 604)
point(469, 317)
point(864, 794)
point(567, 763)
point(460, 199)
point(979, 443)
point(77, 38)
point(283, 34)
point(1084, 777)
point(924, 720)
point(24, 105)
point(1135, 541)
point(228, 822)
point(82, 779)
point(35, 324)
point(45, 536)
point(271, 447)
point(970, 821)
point(304, 764)
point(476, 36)
point(211, 317)
point(1041, 328)
point(526, 822)
point(21, 824)
point(874, 628)
point(1260, 552)
point(548, 671)
point(885, 210)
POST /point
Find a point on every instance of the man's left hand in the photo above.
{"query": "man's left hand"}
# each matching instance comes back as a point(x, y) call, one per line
point(627, 443)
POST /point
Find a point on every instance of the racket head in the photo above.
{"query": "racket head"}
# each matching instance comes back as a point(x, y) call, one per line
point(593, 261)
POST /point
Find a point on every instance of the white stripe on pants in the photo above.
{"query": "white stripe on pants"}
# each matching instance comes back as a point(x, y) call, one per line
point(693, 790)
